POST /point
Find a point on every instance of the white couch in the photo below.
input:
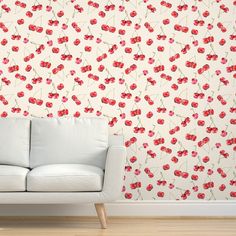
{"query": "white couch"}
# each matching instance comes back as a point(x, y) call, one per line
point(60, 161)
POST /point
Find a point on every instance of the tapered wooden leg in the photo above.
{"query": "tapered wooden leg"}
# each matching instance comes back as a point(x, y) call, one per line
point(100, 208)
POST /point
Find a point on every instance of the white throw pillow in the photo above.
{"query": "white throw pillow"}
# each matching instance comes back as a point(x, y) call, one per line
point(14, 141)
point(68, 141)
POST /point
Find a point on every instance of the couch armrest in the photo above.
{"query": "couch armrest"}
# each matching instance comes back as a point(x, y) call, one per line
point(114, 172)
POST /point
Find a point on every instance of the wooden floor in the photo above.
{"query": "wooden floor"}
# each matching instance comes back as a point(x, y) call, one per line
point(77, 226)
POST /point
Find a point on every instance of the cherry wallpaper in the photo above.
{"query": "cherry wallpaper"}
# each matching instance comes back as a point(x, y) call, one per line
point(163, 73)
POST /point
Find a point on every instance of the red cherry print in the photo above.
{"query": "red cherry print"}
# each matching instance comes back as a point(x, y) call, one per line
point(165, 84)
point(149, 187)
point(60, 14)
point(222, 187)
point(20, 94)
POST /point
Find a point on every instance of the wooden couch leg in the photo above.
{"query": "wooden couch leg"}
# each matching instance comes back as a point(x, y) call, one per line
point(100, 208)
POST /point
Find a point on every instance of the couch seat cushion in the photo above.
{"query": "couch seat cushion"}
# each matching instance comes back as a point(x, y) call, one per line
point(14, 141)
point(68, 141)
point(65, 178)
point(12, 178)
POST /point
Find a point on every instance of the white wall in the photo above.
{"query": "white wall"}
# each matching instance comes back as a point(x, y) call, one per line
point(127, 208)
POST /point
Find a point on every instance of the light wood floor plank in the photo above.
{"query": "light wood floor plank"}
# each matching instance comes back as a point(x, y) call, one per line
point(54, 226)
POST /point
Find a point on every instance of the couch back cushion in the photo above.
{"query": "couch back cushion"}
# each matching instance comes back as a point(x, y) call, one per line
point(14, 141)
point(68, 141)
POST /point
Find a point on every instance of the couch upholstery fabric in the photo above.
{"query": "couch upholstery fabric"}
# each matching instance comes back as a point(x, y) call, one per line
point(12, 178)
point(14, 141)
point(69, 141)
point(65, 178)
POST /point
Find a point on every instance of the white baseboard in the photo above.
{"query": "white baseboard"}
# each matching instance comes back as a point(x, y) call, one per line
point(128, 208)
